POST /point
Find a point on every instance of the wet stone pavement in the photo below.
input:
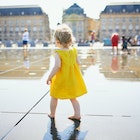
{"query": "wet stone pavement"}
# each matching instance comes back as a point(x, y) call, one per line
point(110, 110)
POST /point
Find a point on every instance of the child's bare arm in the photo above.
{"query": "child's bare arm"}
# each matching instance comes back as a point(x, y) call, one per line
point(55, 69)
point(78, 60)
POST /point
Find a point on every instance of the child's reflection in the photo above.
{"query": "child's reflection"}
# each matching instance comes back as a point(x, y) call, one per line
point(26, 59)
point(124, 61)
point(70, 133)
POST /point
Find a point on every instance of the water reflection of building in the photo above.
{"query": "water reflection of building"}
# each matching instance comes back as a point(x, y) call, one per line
point(123, 18)
point(12, 63)
point(128, 67)
point(87, 58)
point(13, 20)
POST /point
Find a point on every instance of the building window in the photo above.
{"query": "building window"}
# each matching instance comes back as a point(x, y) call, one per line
point(130, 27)
point(110, 10)
point(123, 19)
point(40, 22)
point(110, 31)
point(123, 27)
point(34, 29)
point(8, 34)
point(22, 29)
point(110, 27)
point(11, 29)
point(123, 31)
point(41, 29)
point(5, 29)
point(35, 22)
point(29, 29)
point(137, 19)
point(22, 23)
point(103, 30)
point(103, 20)
point(117, 20)
point(137, 27)
point(22, 13)
point(28, 22)
point(111, 20)
point(124, 10)
point(137, 10)
point(130, 19)
point(103, 27)
point(80, 27)
point(74, 27)
point(17, 22)
point(0, 30)
point(117, 29)
point(16, 29)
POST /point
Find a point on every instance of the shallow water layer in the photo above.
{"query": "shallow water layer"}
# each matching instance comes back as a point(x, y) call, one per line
point(110, 109)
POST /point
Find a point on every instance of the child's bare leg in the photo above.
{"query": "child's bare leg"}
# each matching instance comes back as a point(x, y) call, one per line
point(53, 105)
point(76, 107)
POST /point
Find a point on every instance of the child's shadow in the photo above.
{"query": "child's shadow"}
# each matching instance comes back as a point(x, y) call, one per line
point(70, 133)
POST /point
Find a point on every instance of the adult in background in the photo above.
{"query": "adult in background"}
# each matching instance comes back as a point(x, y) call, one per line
point(25, 38)
point(115, 42)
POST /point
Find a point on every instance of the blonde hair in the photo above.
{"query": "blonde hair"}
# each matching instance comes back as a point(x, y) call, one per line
point(25, 29)
point(64, 35)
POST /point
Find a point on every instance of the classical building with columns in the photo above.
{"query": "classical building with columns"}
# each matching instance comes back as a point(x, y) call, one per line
point(81, 25)
point(123, 18)
point(14, 19)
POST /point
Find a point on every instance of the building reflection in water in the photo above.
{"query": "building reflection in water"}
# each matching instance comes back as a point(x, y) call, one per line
point(34, 63)
point(24, 64)
point(70, 133)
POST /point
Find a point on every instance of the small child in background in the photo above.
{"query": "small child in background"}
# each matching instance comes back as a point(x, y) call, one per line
point(124, 44)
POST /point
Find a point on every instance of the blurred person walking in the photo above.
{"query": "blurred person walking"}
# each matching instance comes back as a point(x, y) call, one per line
point(115, 42)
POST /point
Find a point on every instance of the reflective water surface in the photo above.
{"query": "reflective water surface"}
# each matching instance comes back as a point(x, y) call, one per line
point(109, 111)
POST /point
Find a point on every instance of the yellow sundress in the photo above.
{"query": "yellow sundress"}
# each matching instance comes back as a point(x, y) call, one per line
point(68, 82)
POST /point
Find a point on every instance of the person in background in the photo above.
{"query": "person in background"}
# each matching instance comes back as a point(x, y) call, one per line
point(115, 42)
point(124, 43)
point(65, 78)
point(25, 38)
point(92, 38)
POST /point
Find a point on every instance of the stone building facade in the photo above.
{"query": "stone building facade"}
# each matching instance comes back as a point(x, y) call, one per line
point(81, 25)
point(14, 19)
point(123, 18)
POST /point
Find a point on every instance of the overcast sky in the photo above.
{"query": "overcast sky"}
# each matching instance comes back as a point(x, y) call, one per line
point(54, 8)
